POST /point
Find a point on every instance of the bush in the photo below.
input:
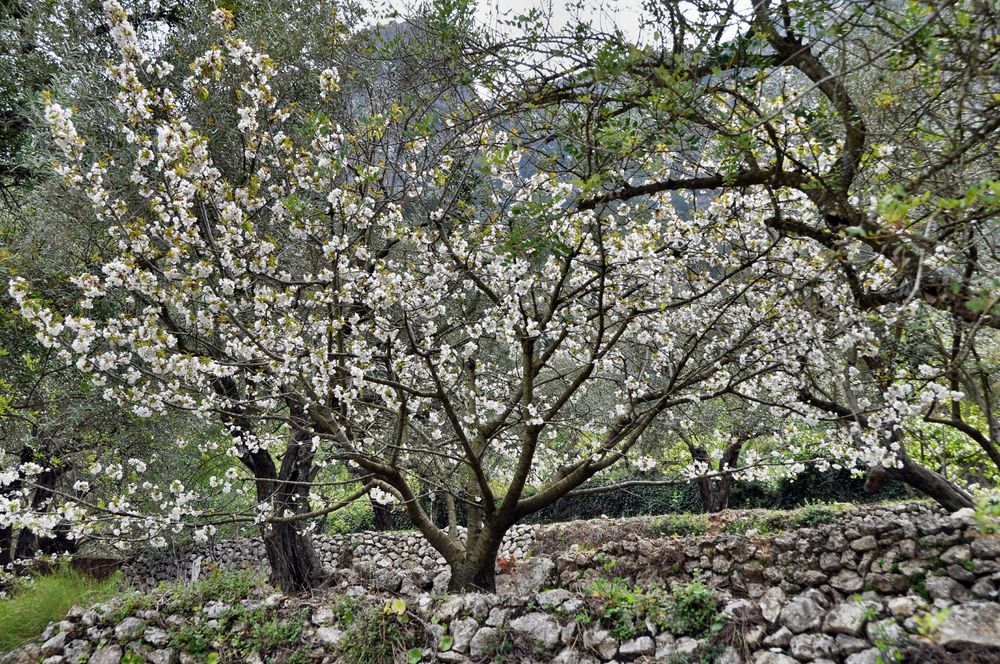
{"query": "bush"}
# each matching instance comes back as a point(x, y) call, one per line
point(48, 598)
point(693, 609)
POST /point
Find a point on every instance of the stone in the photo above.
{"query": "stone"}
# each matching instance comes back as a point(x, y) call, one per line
point(601, 642)
point(129, 629)
point(483, 643)
point(329, 636)
point(986, 546)
point(553, 598)
point(849, 644)
point(766, 657)
point(665, 647)
point(162, 656)
point(497, 617)
point(527, 578)
point(215, 610)
point(943, 587)
point(956, 555)
point(574, 656)
point(155, 636)
point(866, 543)
point(771, 603)
point(801, 614)
point(55, 645)
point(902, 607)
point(686, 646)
point(322, 616)
point(76, 650)
point(107, 655)
point(780, 638)
point(869, 656)
point(54, 659)
point(451, 608)
point(847, 618)
point(637, 647)
point(884, 631)
point(813, 646)
point(847, 581)
point(970, 625)
point(539, 627)
point(463, 631)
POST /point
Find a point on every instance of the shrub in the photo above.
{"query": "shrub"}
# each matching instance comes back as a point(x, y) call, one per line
point(47, 598)
point(693, 609)
point(680, 524)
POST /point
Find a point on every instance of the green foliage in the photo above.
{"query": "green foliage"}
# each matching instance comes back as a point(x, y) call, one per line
point(355, 517)
point(684, 525)
point(987, 513)
point(693, 609)
point(47, 598)
point(378, 635)
point(229, 587)
point(622, 608)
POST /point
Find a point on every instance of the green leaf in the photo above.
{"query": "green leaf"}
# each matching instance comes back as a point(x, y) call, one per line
point(414, 655)
point(447, 641)
point(213, 658)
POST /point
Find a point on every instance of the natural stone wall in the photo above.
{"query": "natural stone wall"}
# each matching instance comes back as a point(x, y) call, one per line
point(878, 584)
point(365, 550)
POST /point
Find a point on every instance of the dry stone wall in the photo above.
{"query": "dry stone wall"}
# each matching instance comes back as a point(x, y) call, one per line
point(905, 583)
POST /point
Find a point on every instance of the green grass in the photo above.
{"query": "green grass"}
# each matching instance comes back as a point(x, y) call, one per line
point(47, 598)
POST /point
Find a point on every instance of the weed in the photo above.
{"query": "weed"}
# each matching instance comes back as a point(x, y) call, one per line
point(693, 609)
point(680, 525)
point(47, 598)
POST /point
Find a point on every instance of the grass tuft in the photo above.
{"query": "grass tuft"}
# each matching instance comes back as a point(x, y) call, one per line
point(46, 598)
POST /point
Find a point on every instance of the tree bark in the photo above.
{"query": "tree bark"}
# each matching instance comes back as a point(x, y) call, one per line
point(477, 570)
point(932, 484)
point(383, 515)
point(290, 553)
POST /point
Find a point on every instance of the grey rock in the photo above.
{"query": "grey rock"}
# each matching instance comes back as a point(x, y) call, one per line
point(54, 659)
point(155, 636)
point(129, 629)
point(527, 578)
point(766, 657)
point(553, 598)
point(574, 656)
point(986, 546)
point(539, 627)
point(813, 646)
point(600, 641)
point(463, 631)
point(970, 625)
point(107, 655)
point(847, 581)
point(847, 618)
point(161, 656)
point(866, 543)
point(869, 656)
point(780, 638)
point(497, 617)
point(801, 614)
point(686, 646)
point(55, 645)
point(943, 587)
point(771, 603)
point(484, 642)
point(849, 644)
point(329, 636)
point(76, 650)
point(637, 647)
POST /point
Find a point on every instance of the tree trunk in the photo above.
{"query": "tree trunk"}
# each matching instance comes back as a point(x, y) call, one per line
point(931, 484)
point(293, 561)
point(382, 513)
point(477, 571)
